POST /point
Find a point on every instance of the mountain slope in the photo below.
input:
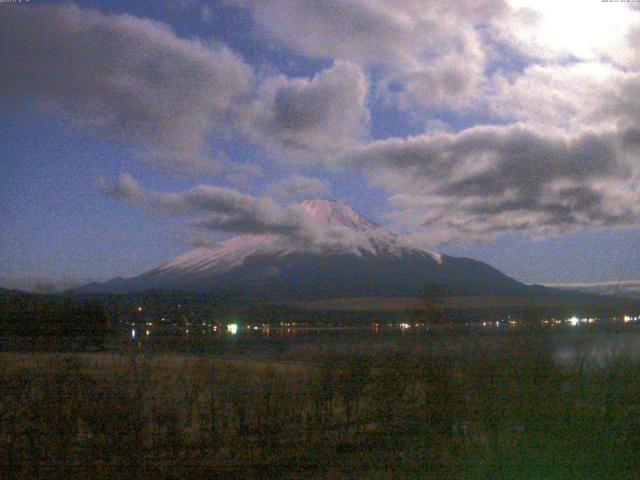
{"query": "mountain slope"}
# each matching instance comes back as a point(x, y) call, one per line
point(350, 255)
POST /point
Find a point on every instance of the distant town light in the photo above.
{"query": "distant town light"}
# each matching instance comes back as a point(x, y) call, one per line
point(573, 321)
point(232, 328)
point(133, 333)
point(139, 309)
point(147, 332)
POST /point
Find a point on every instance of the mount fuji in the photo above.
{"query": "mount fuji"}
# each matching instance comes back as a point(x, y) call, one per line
point(340, 254)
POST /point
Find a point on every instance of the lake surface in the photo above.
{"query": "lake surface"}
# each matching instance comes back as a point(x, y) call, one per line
point(597, 346)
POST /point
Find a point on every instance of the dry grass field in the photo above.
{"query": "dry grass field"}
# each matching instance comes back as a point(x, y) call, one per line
point(442, 410)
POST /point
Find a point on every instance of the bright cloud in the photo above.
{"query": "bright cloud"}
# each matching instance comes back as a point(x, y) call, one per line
point(588, 31)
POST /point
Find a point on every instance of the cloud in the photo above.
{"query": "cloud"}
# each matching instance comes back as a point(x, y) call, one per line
point(432, 54)
point(487, 180)
point(621, 288)
point(547, 31)
point(132, 79)
point(218, 209)
point(228, 206)
point(569, 98)
point(442, 54)
point(322, 116)
point(300, 187)
point(170, 98)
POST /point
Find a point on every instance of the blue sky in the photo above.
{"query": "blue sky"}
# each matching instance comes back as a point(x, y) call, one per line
point(476, 128)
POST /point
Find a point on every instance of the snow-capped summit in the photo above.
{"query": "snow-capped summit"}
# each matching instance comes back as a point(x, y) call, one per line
point(337, 213)
point(330, 217)
point(335, 252)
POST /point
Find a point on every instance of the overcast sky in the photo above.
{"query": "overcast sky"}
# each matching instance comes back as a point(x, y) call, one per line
point(504, 130)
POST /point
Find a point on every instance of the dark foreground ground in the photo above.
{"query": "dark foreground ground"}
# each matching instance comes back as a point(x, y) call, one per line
point(436, 406)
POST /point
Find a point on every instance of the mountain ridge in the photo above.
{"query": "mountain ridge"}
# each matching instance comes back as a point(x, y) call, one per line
point(349, 255)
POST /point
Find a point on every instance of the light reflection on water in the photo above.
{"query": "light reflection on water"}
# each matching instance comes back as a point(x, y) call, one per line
point(234, 332)
point(597, 349)
point(569, 347)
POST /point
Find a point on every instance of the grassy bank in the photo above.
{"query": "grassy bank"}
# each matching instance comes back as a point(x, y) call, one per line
point(434, 409)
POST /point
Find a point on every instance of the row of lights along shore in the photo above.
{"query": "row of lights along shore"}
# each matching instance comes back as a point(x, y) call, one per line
point(234, 328)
